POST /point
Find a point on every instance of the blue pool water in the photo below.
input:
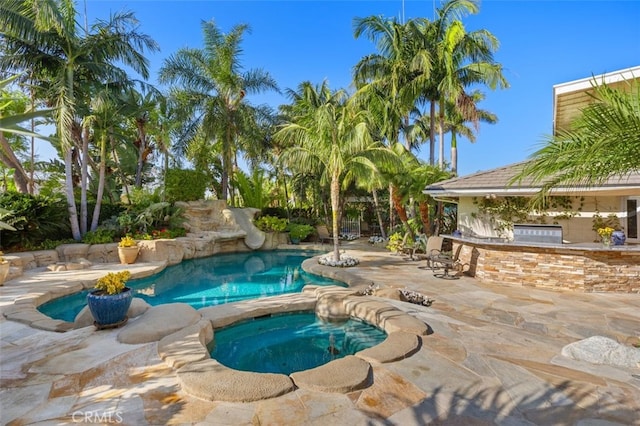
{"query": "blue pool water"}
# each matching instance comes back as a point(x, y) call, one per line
point(211, 281)
point(287, 343)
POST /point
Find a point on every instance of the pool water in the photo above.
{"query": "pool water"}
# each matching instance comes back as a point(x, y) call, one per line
point(287, 343)
point(211, 281)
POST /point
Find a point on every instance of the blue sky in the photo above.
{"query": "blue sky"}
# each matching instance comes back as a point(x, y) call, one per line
point(542, 43)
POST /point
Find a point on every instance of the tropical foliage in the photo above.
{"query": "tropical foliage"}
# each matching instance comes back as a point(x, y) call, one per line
point(124, 146)
point(332, 138)
point(603, 141)
point(211, 88)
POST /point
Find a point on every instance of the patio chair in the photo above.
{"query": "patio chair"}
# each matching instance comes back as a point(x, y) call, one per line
point(447, 263)
point(323, 234)
point(427, 247)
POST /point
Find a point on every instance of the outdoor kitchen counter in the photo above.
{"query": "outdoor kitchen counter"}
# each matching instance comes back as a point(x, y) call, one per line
point(496, 241)
point(588, 267)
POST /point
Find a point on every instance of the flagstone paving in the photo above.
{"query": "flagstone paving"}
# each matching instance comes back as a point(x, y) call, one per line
point(493, 357)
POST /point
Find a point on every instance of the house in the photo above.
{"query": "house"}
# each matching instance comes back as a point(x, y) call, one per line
point(615, 203)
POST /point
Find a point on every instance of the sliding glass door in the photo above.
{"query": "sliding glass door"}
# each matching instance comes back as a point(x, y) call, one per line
point(633, 219)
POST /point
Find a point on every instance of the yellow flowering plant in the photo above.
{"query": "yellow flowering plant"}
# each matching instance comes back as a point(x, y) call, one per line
point(113, 282)
point(127, 241)
point(605, 232)
point(1, 257)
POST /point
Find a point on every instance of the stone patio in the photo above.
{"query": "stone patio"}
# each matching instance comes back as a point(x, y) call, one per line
point(493, 357)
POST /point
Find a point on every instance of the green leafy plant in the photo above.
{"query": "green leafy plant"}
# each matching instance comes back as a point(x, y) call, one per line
point(175, 189)
point(271, 224)
point(127, 241)
point(611, 221)
point(299, 231)
point(395, 242)
point(100, 236)
point(503, 212)
point(34, 218)
point(113, 282)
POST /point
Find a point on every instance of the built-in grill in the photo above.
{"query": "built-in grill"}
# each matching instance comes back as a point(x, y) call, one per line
point(535, 233)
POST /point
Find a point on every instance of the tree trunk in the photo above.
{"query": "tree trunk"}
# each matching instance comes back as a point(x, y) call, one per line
point(142, 146)
point(101, 177)
point(9, 159)
point(402, 212)
point(335, 205)
point(84, 179)
point(454, 153)
point(432, 133)
point(376, 205)
point(441, 135)
point(71, 202)
point(424, 216)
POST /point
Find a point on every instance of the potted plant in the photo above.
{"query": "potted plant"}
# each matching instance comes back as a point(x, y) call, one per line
point(128, 250)
point(605, 234)
point(110, 300)
point(4, 268)
point(298, 232)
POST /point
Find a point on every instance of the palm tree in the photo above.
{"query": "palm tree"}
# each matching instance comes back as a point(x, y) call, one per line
point(457, 116)
point(333, 138)
point(461, 59)
point(213, 88)
point(66, 60)
point(391, 81)
point(10, 124)
point(604, 141)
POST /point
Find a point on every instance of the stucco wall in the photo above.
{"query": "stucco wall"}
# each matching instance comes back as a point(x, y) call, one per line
point(577, 229)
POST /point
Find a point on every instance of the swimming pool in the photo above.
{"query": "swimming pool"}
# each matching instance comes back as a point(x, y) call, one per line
point(209, 281)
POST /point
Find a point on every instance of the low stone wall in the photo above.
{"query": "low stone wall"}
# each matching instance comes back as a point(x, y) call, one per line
point(588, 269)
point(212, 227)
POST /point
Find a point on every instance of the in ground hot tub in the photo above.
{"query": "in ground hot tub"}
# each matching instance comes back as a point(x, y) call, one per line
point(290, 342)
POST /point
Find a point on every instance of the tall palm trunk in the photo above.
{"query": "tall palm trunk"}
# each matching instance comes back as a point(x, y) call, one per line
point(376, 205)
point(71, 202)
point(226, 160)
point(424, 216)
point(8, 157)
point(454, 153)
point(101, 177)
point(432, 133)
point(335, 205)
point(402, 212)
point(441, 135)
point(142, 141)
point(84, 178)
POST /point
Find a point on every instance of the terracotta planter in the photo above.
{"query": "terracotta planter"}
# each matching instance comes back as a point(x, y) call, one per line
point(4, 271)
point(128, 255)
point(109, 310)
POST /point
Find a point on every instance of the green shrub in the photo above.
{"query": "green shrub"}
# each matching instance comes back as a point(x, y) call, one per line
point(299, 231)
point(271, 224)
point(35, 219)
point(99, 236)
point(395, 242)
point(185, 185)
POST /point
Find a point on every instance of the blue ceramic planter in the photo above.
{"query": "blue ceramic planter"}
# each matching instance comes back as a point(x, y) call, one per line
point(109, 309)
point(618, 238)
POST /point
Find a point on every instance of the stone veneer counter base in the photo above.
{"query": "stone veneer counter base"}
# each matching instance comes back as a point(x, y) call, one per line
point(577, 267)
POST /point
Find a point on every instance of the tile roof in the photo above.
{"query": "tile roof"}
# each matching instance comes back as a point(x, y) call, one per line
point(497, 181)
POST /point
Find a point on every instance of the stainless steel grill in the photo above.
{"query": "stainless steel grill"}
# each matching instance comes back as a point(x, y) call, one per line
point(534, 233)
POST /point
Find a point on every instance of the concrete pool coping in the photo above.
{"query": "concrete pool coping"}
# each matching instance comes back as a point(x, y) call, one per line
point(494, 357)
point(185, 350)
